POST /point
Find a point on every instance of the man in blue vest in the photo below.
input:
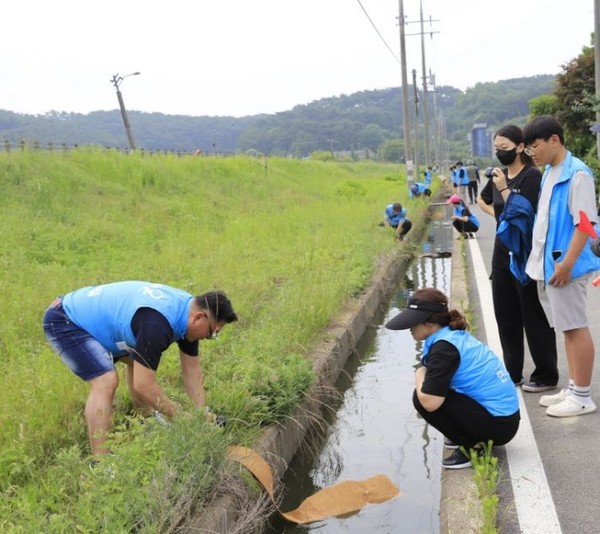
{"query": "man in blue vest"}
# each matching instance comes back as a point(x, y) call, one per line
point(395, 217)
point(417, 189)
point(132, 322)
point(428, 175)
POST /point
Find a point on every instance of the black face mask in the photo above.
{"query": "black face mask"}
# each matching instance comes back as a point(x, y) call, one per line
point(506, 157)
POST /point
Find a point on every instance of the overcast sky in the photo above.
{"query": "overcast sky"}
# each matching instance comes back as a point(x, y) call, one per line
point(244, 57)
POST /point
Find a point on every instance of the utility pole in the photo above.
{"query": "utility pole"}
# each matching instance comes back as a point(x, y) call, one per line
point(116, 81)
point(416, 90)
point(597, 66)
point(436, 139)
point(330, 141)
point(425, 98)
point(405, 119)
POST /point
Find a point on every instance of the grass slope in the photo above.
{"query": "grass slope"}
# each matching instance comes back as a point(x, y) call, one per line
point(289, 242)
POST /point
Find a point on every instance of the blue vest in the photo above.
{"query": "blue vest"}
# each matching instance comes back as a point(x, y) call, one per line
point(395, 218)
point(463, 175)
point(481, 375)
point(417, 189)
point(561, 227)
point(106, 311)
point(459, 211)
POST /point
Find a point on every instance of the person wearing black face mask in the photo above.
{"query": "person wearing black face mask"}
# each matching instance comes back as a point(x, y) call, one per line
point(516, 304)
point(506, 157)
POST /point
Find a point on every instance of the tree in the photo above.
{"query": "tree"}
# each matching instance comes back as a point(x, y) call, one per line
point(392, 150)
point(370, 137)
point(575, 92)
point(544, 105)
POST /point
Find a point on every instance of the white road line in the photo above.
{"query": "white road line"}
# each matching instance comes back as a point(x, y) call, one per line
point(533, 500)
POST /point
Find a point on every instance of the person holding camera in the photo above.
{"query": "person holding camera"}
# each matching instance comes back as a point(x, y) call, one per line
point(462, 389)
point(517, 306)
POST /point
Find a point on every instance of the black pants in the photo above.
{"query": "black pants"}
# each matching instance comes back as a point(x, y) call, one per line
point(404, 229)
point(472, 187)
point(518, 307)
point(465, 227)
point(466, 422)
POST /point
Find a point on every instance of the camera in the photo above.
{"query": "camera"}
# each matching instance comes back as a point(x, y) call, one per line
point(489, 172)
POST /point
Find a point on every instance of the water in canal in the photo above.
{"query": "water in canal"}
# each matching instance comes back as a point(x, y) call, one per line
point(376, 429)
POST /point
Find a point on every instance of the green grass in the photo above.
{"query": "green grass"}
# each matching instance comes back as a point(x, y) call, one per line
point(485, 477)
point(289, 241)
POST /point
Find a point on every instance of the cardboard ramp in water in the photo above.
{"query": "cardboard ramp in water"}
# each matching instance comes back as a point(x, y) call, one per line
point(340, 499)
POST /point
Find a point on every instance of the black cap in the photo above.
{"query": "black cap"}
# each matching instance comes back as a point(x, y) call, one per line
point(417, 311)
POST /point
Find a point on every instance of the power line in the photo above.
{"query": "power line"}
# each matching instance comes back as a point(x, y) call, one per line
point(378, 32)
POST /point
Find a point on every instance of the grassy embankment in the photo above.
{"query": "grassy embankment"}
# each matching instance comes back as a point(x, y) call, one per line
point(289, 242)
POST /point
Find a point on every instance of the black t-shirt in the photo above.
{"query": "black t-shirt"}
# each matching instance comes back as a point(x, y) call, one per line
point(154, 335)
point(526, 183)
point(442, 362)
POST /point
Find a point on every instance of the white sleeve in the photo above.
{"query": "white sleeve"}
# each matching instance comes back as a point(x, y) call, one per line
point(582, 196)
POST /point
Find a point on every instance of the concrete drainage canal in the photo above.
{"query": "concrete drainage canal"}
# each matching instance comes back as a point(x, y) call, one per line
point(375, 428)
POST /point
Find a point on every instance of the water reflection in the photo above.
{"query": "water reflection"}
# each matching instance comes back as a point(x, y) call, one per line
point(375, 429)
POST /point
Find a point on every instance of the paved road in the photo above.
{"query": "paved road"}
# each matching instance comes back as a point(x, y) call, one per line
point(551, 470)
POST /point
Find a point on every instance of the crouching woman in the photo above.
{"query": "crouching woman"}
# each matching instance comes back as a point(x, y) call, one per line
point(462, 389)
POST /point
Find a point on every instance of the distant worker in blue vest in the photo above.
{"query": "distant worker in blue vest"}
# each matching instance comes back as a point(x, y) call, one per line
point(561, 259)
point(462, 178)
point(417, 189)
point(454, 178)
point(463, 388)
point(395, 217)
point(463, 219)
point(133, 322)
point(474, 181)
point(428, 175)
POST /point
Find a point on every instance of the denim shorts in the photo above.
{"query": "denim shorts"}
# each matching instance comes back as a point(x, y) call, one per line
point(83, 354)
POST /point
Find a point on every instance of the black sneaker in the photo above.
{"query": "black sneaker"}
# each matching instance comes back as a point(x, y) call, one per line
point(471, 236)
point(457, 460)
point(449, 444)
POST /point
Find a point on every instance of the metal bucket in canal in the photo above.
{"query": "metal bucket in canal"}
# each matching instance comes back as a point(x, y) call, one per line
point(375, 429)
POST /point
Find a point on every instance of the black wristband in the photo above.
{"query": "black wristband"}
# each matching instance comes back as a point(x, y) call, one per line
point(502, 190)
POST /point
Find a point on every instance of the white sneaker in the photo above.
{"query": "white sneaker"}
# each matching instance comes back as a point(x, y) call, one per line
point(570, 407)
point(550, 400)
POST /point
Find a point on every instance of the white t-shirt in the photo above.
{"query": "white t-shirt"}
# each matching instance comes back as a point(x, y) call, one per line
point(582, 196)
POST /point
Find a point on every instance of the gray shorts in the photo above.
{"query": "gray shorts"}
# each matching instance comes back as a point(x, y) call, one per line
point(565, 306)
